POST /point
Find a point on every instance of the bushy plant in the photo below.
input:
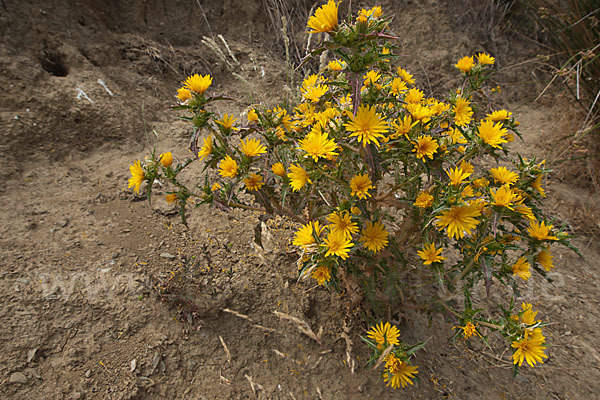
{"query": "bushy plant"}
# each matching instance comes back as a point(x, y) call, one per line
point(390, 187)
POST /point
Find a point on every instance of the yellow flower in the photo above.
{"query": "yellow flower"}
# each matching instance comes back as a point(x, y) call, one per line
point(367, 125)
point(316, 144)
point(499, 115)
point(398, 373)
point(197, 83)
point(341, 221)
point(468, 330)
point(430, 254)
point(360, 184)
point(206, 148)
point(314, 93)
point(414, 96)
point(403, 126)
point(184, 94)
point(540, 231)
point(374, 237)
point(458, 220)
point(420, 112)
point(137, 176)
point(530, 349)
point(227, 121)
point(252, 147)
point(384, 335)
point(480, 182)
point(171, 198)
point(298, 177)
point(537, 185)
point(503, 196)
point(166, 159)
point(252, 116)
point(216, 186)
point(325, 18)
point(254, 182)
point(406, 77)
point(504, 176)
point(228, 167)
point(457, 176)
point(492, 133)
point(371, 78)
point(336, 65)
point(278, 169)
point(425, 146)
point(528, 315)
point(337, 244)
point(424, 200)
point(462, 112)
point(321, 274)
point(545, 258)
point(398, 86)
point(465, 64)
point(521, 268)
point(485, 59)
point(527, 212)
point(305, 236)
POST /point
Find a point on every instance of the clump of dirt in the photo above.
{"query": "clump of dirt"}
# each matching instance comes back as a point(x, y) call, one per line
point(108, 296)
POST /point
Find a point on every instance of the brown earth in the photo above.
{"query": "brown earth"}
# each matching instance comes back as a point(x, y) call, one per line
point(83, 258)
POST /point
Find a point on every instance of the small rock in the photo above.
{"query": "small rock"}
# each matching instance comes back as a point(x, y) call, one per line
point(133, 365)
point(32, 373)
point(88, 373)
point(115, 255)
point(63, 223)
point(18, 377)
point(168, 256)
point(155, 361)
point(31, 354)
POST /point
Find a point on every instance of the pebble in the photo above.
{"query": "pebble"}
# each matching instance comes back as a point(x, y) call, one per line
point(18, 377)
point(168, 256)
point(88, 373)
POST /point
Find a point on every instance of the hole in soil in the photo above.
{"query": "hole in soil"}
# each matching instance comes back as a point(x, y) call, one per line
point(54, 63)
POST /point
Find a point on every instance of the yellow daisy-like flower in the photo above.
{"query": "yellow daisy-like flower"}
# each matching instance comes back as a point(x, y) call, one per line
point(485, 59)
point(398, 373)
point(228, 167)
point(371, 78)
point(419, 112)
point(406, 77)
point(469, 330)
point(537, 185)
point(402, 127)
point(337, 244)
point(530, 348)
point(503, 196)
point(545, 258)
point(207, 148)
point(216, 186)
point(184, 94)
point(166, 159)
point(499, 115)
point(397, 86)
point(305, 236)
point(278, 169)
point(429, 254)
point(504, 176)
point(360, 185)
point(462, 112)
point(492, 133)
point(252, 147)
point(252, 116)
point(197, 83)
point(316, 144)
point(528, 315)
point(540, 231)
point(458, 220)
point(384, 335)
point(374, 236)
point(227, 121)
point(325, 18)
point(457, 175)
point(322, 274)
point(336, 65)
point(424, 200)
point(298, 177)
point(425, 146)
point(521, 268)
point(254, 182)
point(414, 96)
point(525, 211)
point(480, 183)
point(465, 64)
point(137, 176)
point(342, 221)
point(171, 198)
point(314, 93)
point(367, 125)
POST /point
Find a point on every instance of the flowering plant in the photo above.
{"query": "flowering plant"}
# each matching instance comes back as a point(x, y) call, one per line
point(390, 187)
